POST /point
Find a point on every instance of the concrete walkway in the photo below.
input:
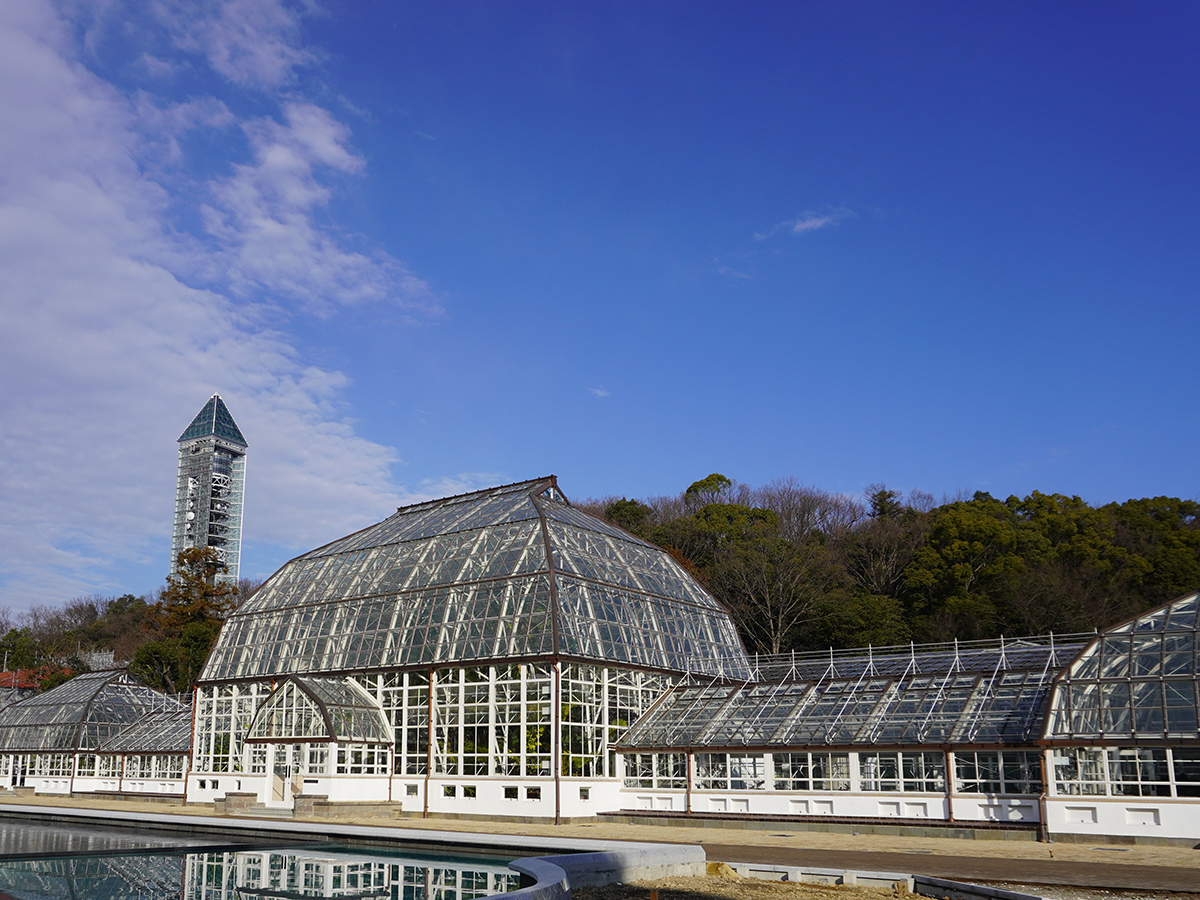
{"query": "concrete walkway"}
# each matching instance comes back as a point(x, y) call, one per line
point(1142, 867)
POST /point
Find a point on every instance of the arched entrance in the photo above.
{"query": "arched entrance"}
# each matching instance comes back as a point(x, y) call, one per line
point(301, 734)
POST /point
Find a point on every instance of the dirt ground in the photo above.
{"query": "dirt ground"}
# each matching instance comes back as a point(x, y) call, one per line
point(726, 888)
point(716, 887)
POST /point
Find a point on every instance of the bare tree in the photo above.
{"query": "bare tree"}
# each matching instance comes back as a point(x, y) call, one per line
point(805, 511)
point(247, 588)
point(773, 588)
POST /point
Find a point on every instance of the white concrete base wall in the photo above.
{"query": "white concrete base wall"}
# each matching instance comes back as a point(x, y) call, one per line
point(492, 796)
point(352, 788)
point(220, 784)
point(976, 808)
point(48, 785)
point(778, 803)
point(338, 788)
point(1161, 817)
point(84, 784)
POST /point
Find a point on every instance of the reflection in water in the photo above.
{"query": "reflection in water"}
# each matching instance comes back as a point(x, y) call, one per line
point(289, 873)
point(98, 877)
point(233, 875)
point(29, 839)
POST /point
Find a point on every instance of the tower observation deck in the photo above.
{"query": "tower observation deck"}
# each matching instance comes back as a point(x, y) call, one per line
point(210, 487)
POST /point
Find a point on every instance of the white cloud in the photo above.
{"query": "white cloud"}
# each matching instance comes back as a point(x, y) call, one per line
point(253, 43)
point(111, 342)
point(264, 219)
point(806, 222)
point(733, 273)
point(598, 392)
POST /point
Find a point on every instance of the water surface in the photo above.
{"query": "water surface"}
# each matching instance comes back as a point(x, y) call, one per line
point(48, 863)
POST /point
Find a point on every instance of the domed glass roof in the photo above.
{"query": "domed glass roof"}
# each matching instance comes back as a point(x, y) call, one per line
point(512, 572)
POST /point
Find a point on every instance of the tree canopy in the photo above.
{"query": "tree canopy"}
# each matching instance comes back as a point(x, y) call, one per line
point(800, 568)
point(185, 621)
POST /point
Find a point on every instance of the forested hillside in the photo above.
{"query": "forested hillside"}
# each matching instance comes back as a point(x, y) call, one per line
point(164, 638)
point(803, 569)
point(799, 568)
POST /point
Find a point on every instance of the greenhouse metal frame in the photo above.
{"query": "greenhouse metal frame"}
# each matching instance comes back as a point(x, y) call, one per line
point(507, 638)
point(100, 732)
point(1080, 734)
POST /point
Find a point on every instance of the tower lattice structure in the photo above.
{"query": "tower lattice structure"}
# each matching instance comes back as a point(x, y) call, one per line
point(210, 487)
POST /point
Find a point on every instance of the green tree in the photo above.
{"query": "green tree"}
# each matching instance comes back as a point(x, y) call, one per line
point(628, 514)
point(714, 528)
point(19, 650)
point(1074, 575)
point(1022, 566)
point(845, 619)
point(968, 559)
point(1165, 532)
point(712, 489)
point(884, 502)
point(193, 593)
point(186, 620)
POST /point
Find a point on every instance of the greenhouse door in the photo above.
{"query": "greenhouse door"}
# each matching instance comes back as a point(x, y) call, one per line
point(288, 771)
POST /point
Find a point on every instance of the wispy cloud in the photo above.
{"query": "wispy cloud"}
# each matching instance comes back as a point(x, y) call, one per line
point(253, 43)
point(263, 216)
point(806, 222)
point(732, 272)
point(118, 324)
point(598, 392)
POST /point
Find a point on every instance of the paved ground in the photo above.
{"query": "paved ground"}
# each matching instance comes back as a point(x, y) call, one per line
point(1146, 868)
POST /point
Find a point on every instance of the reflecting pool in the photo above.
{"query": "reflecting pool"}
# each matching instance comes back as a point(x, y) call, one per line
point(139, 872)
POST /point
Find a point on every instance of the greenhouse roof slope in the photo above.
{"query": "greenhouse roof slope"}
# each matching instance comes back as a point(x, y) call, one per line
point(989, 694)
point(81, 714)
point(509, 572)
point(167, 731)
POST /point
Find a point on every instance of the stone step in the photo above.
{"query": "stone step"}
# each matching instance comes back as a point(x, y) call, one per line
point(261, 812)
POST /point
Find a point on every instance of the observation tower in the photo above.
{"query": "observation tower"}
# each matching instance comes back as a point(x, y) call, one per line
point(210, 487)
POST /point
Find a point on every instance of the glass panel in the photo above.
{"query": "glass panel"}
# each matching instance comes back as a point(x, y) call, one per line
point(1186, 764)
point(978, 700)
point(1140, 772)
point(1079, 770)
point(1158, 645)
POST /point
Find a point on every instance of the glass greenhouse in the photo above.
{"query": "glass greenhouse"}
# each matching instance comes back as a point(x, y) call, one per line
point(1070, 734)
point(83, 735)
point(503, 638)
point(81, 714)
point(980, 693)
point(502, 653)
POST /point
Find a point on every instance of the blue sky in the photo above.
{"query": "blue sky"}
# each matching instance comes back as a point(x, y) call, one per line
point(423, 248)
